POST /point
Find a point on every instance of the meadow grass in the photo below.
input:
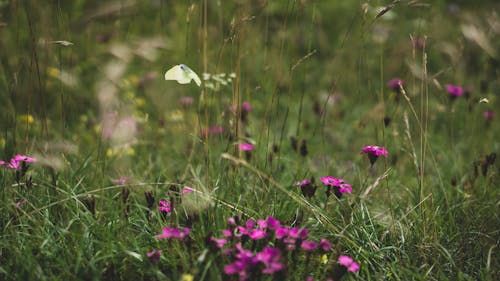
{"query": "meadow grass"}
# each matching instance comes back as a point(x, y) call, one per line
point(305, 82)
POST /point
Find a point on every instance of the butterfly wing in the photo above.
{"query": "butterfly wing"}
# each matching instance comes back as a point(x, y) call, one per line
point(191, 74)
point(178, 74)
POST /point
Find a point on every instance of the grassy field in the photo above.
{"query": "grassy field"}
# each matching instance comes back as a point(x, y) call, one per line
point(328, 140)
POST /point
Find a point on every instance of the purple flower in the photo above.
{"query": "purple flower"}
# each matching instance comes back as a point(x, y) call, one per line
point(306, 187)
point(245, 146)
point(281, 232)
point(325, 244)
point(395, 84)
point(246, 107)
point(349, 263)
point(154, 255)
point(270, 257)
point(227, 233)
point(186, 190)
point(272, 223)
point(175, 233)
point(345, 188)
point(374, 152)
point(15, 162)
point(213, 130)
point(308, 245)
point(454, 90)
point(219, 242)
point(257, 234)
point(165, 206)
point(488, 115)
point(331, 181)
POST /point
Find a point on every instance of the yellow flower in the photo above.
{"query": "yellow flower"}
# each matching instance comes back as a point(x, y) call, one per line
point(2, 142)
point(130, 151)
point(53, 72)
point(140, 101)
point(187, 277)
point(110, 152)
point(26, 118)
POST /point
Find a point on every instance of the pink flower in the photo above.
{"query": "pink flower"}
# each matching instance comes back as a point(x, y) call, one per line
point(24, 158)
point(271, 258)
point(165, 206)
point(21, 203)
point(376, 150)
point(395, 84)
point(488, 115)
point(15, 162)
point(213, 130)
point(219, 242)
point(349, 263)
point(308, 245)
point(272, 223)
point(329, 180)
point(121, 180)
point(186, 100)
point(154, 255)
point(325, 244)
point(175, 233)
point(345, 188)
point(454, 90)
point(186, 190)
point(257, 234)
point(245, 146)
point(245, 106)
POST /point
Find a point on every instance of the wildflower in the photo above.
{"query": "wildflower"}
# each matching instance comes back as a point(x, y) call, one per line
point(329, 180)
point(396, 84)
point(308, 245)
point(121, 180)
point(270, 257)
point(454, 90)
point(246, 107)
point(187, 277)
point(186, 101)
point(21, 202)
point(374, 152)
point(18, 160)
point(219, 242)
point(245, 146)
point(345, 188)
point(306, 187)
point(175, 233)
point(349, 263)
point(186, 190)
point(154, 255)
point(325, 245)
point(257, 234)
point(272, 223)
point(488, 115)
point(213, 130)
point(165, 206)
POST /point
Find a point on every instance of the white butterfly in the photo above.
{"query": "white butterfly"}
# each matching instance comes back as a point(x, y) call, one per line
point(182, 74)
point(484, 100)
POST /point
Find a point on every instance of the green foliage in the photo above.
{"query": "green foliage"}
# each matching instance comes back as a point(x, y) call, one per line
point(82, 90)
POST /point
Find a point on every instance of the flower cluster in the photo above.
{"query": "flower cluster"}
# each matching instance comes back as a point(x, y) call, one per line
point(174, 233)
point(349, 263)
point(339, 186)
point(17, 161)
point(275, 240)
